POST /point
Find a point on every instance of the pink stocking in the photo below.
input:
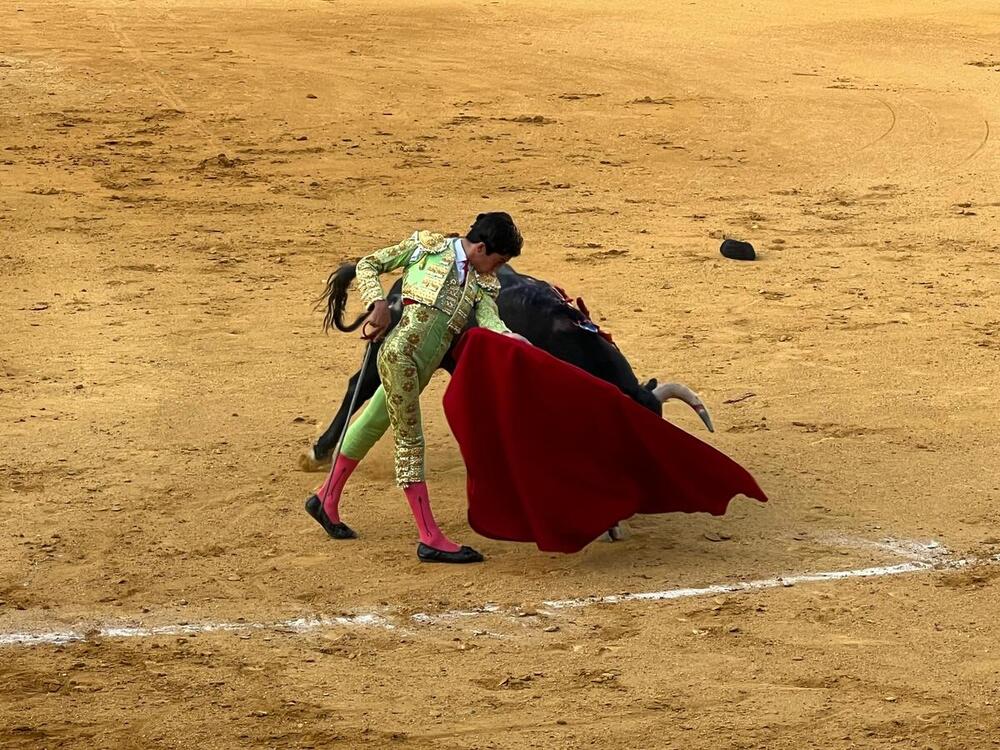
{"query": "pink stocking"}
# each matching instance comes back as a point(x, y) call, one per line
point(329, 493)
point(430, 534)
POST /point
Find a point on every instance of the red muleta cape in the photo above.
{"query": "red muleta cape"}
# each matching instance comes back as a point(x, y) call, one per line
point(556, 456)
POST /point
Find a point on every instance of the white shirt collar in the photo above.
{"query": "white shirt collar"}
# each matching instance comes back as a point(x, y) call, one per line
point(460, 258)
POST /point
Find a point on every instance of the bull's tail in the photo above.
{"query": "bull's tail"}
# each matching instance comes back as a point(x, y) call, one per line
point(334, 298)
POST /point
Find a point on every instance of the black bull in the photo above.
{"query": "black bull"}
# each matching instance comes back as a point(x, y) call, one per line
point(530, 307)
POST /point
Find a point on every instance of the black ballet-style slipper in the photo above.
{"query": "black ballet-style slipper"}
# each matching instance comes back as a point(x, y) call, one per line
point(464, 555)
point(339, 530)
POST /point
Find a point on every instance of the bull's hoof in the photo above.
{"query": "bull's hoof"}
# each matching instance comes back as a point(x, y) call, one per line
point(309, 462)
point(616, 533)
point(336, 529)
point(464, 555)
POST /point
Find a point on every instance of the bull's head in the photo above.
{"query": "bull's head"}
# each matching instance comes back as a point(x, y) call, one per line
point(549, 319)
point(574, 338)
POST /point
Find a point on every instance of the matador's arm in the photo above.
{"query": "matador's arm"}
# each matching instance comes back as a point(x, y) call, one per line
point(382, 261)
point(487, 314)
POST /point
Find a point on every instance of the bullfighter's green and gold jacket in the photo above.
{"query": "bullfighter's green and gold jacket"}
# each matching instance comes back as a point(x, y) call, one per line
point(430, 278)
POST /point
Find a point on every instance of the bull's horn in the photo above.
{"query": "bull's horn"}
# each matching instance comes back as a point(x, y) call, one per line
point(689, 397)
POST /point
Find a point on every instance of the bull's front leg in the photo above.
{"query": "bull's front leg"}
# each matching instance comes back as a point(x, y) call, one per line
point(317, 456)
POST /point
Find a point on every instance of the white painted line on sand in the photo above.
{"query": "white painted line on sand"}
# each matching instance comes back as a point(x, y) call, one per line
point(922, 557)
point(297, 625)
point(732, 588)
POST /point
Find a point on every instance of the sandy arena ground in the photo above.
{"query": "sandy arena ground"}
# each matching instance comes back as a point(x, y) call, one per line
point(178, 178)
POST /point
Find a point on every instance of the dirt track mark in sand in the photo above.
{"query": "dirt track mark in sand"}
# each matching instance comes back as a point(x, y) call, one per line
point(892, 124)
point(142, 63)
point(981, 146)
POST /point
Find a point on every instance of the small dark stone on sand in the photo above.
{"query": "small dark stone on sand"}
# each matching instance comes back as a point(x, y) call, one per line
point(737, 250)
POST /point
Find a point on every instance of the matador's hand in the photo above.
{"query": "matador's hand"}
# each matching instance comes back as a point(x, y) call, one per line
point(378, 321)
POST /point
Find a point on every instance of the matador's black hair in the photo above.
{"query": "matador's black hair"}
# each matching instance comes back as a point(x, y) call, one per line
point(498, 232)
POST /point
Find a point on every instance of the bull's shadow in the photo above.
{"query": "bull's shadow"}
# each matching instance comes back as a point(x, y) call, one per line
point(533, 308)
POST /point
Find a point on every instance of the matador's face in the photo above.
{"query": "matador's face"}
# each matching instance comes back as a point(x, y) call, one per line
point(483, 263)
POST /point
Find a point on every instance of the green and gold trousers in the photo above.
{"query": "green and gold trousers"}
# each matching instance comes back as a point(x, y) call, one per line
point(409, 356)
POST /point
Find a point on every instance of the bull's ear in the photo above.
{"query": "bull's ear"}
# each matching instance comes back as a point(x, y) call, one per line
point(650, 385)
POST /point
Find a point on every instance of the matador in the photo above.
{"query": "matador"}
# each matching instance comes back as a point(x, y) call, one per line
point(446, 281)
